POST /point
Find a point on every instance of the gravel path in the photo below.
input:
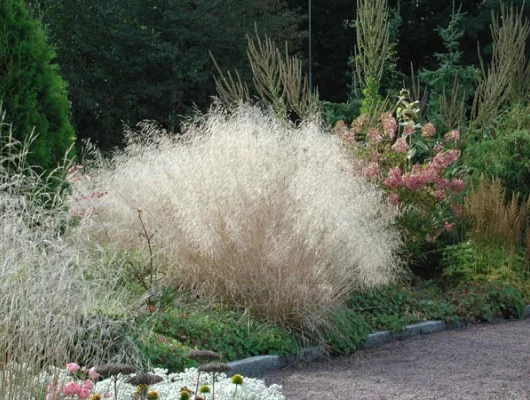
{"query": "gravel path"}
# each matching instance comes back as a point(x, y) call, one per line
point(480, 362)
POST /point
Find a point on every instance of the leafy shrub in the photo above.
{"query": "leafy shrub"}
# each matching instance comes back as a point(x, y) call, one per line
point(484, 301)
point(335, 112)
point(165, 352)
point(228, 333)
point(468, 261)
point(31, 87)
point(346, 330)
point(250, 211)
point(504, 153)
point(394, 307)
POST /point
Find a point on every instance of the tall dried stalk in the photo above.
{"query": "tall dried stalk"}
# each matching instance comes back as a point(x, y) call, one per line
point(230, 90)
point(452, 106)
point(499, 83)
point(373, 40)
point(278, 80)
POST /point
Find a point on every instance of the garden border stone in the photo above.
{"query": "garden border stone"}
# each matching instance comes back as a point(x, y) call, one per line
point(257, 366)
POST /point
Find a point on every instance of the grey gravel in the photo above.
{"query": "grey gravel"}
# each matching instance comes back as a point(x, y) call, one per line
point(490, 361)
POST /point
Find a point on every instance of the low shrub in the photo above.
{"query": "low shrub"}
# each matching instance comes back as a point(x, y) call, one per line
point(232, 335)
point(165, 352)
point(346, 330)
point(468, 261)
point(394, 307)
point(485, 301)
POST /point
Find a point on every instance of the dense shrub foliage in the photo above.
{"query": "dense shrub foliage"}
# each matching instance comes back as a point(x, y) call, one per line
point(31, 87)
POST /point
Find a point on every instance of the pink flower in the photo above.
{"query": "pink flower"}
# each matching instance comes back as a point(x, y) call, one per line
point(72, 367)
point(444, 159)
point(390, 125)
point(71, 388)
point(84, 394)
point(456, 185)
point(92, 373)
point(400, 146)
point(448, 226)
point(438, 147)
point(409, 129)
point(394, 179)
point(452, 136)
point(87, 384)
point(372, 170)
point(428, 130)
point(374, 135)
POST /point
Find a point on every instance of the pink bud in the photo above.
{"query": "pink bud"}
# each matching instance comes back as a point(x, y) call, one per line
point(72, 367)
point(92, 373)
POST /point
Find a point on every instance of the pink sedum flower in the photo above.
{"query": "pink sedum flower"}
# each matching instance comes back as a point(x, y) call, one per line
point(409, 129)
point(84, 394)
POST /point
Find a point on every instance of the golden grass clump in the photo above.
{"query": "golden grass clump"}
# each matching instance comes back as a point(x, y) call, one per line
point(250, 211)
point(495, 221)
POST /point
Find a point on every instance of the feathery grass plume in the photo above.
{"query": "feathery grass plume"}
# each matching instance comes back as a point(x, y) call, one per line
point(501, 82)
point(45, 296)
point(493, 221)
point(250, 211)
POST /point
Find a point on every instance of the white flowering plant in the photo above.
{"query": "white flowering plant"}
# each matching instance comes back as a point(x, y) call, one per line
point(187, 385)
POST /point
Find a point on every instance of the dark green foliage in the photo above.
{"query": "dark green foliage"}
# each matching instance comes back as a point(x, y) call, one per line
point(394, 307)
point(335, 112)
point(31, 87)
point(450, 79)
point(163, 352)
point(232, 335)
point(503, 152)
point(132, 60)
point(484, 301)
point(346, 329)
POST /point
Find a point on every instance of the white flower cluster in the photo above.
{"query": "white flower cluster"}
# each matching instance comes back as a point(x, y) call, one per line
point(170, 387)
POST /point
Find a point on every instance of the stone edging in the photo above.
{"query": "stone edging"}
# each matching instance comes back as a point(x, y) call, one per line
point(259, 365)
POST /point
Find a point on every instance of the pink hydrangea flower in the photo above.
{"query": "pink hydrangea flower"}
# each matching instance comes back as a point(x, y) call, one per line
point(400, 146)
point(456, 185)
point(428, 130)
point(452, 136)
point(374, 135)
point(372, 170)
point(390, 125)
point(409, 130)
point(394, 179)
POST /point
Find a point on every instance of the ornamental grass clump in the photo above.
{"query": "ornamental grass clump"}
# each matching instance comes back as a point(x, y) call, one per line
point(45, 295)
point(247, 210)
